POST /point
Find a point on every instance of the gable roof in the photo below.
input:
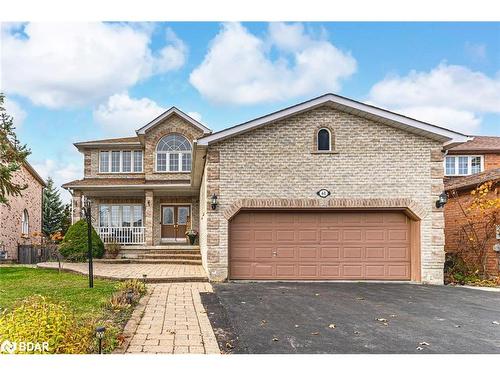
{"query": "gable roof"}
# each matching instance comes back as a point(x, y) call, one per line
point(479, 143)
point(170, 112)
point(346, 105)
point(456, 183)
point(35, 174)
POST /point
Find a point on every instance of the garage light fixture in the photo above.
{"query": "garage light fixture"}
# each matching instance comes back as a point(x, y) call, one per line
point(214, 201)
point(443, 199)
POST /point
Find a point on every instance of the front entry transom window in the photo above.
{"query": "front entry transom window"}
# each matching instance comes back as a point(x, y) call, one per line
point(173, 154)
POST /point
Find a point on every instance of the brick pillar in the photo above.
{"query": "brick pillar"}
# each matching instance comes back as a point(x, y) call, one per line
point(76, 215)
point(148, 217)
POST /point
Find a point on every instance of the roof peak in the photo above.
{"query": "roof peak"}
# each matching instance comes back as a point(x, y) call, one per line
point(171, 111)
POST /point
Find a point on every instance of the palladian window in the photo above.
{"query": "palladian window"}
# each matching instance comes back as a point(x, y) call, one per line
point(173, 154)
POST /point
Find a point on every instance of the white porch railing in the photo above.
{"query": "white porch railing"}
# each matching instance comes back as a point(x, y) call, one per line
point(122, 235)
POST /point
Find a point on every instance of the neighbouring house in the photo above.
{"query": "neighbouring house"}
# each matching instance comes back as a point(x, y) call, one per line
point(467, 166)
point(22, 217)
point(330, 188)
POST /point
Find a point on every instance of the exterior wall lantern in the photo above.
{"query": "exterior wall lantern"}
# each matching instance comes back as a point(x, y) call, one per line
point(214, 201)
point(443, 199)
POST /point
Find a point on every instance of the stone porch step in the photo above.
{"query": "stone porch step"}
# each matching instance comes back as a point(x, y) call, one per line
point(172, 252)
point(148, 261)
point(193, 256)
point(160, 247)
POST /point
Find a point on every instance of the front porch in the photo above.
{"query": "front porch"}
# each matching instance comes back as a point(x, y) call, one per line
point(141, 218)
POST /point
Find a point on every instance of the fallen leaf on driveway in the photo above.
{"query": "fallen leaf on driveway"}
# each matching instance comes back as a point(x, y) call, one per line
point(393, 315)
point(296, 326)
point(423, 343)
point(275, 339)
point(458, 326)
point(229, 345)
point(495, 322)
point(243, 302)
point(360, 298)
point(315, 333)
point(356, 332)
point(420, 348)
point(331, 326)
point(383, 320)
point(317, 294)
point(262, 322)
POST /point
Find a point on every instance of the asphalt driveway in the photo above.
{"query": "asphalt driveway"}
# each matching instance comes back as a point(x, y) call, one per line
point(353, 318)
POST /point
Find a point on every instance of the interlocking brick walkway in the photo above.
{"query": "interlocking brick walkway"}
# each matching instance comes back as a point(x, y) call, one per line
point(174, 321)
point(155, 272)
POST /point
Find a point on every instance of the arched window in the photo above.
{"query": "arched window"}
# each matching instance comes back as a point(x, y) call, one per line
point(173, 154)
point(324, 140)
point(25, 224)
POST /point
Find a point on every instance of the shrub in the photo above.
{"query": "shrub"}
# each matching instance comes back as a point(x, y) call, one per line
point(119, 299)
point(74, 245)
point(38, 320)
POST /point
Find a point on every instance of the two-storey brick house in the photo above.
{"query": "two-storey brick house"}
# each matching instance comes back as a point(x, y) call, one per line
point(466, 166)
point(327, 189)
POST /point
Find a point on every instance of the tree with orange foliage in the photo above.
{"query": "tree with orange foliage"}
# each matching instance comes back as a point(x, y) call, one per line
point(482, 214)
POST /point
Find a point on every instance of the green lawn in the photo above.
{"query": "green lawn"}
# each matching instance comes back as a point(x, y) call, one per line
point(19, 282)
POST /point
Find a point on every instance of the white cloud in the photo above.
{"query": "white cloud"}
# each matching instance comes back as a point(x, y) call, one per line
point(122, 115)
point(62, 65)
point(449, 95)
point(459, 120)
point(195, 115)
point(61, 172)
point(14, 109)
point(476, 51)
point(239, 67)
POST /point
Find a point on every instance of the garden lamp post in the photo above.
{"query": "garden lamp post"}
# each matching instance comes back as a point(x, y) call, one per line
point(88, 216)
point(99, 332)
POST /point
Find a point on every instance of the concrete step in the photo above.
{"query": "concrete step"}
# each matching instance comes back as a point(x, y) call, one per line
point(170, 256)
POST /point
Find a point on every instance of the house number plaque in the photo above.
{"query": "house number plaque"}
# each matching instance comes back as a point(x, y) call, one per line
point(323, 193)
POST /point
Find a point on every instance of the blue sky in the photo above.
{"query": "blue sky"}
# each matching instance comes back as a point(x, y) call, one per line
point(74, 82)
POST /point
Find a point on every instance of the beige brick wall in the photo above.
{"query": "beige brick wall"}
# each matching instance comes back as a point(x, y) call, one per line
point(11, 215)
point(173, 124)
point(372, 161)
point(91, 165)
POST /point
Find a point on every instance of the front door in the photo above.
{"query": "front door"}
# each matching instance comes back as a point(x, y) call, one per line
point(174, 222)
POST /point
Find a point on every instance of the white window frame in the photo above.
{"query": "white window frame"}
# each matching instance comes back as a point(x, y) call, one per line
point(469, 164)
point(168, 154)
point(329, 140)
point(120, 214)
point(25, 223)
point(132, 170)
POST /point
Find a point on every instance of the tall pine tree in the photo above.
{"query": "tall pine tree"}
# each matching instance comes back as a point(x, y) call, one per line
point(53, 209)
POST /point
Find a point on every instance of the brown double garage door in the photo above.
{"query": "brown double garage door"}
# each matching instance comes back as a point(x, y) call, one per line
point(305, 245)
